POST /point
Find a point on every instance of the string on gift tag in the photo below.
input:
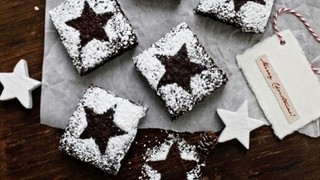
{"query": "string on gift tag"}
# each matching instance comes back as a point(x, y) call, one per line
point(291, 11)
point(315, 69)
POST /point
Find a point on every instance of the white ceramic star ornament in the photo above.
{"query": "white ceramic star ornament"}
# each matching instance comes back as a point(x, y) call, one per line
point(238, 125)
point(18, 85)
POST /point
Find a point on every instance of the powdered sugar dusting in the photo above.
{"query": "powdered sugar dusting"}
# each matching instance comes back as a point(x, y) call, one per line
point(118, 29)
point(194, 173)
point(152, 174)
point(70, 37)
point(187, 151)
point(126, 117)
point(252, 17)
point(159, 153)
point(178, 100)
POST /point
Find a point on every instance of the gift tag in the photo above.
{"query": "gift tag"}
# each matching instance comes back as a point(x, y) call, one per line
point(283, 82)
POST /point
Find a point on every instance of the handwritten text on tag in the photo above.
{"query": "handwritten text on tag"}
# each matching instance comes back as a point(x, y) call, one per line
point(277, 88)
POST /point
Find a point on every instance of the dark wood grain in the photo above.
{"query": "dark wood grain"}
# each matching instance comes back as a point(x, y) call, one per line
point(29, 150)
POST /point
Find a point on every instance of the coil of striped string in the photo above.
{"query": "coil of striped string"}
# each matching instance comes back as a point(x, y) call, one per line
point(315, 69)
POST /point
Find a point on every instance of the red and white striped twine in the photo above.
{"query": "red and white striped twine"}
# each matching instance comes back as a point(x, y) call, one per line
point(291, 11)
point(315, 69)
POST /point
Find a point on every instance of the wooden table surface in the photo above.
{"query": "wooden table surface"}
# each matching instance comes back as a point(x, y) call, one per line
point(29, 150)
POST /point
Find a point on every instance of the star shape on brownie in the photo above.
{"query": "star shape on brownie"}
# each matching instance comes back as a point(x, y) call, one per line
point(182, 166)
point(101, 127)
point(239, 3)
point(90, 25)
point(179, 69)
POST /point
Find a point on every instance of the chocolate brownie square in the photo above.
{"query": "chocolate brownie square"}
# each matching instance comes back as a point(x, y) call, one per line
point(93, 32)
point(249, 15)
point(179, 69)
point(102, 129)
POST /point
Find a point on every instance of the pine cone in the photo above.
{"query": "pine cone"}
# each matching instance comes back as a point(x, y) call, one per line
point(208, 141)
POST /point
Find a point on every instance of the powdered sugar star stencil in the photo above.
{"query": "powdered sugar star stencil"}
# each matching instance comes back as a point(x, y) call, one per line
point(179, 69)
point(93, 32)
point(238, 125)
point(89, 25)
point(189, 165)
point(102, 129)
point(165, 153)
point(18, 85)
point(99, 129)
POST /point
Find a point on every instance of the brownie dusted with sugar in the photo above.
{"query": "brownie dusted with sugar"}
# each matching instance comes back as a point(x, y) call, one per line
point(93, 32)
point(102, 128)
point(249, 15)
point(178, 68)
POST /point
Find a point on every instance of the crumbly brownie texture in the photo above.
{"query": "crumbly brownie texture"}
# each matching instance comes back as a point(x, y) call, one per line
point(93, 32)
point(102, 128)
point(249, 15)
point(178, 68)
point(157, 157)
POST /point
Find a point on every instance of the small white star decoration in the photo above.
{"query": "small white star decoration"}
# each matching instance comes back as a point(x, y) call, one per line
point(238, 125)
point(18, 85)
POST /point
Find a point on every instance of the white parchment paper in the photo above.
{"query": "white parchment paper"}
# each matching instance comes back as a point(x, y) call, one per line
point(62, 86)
